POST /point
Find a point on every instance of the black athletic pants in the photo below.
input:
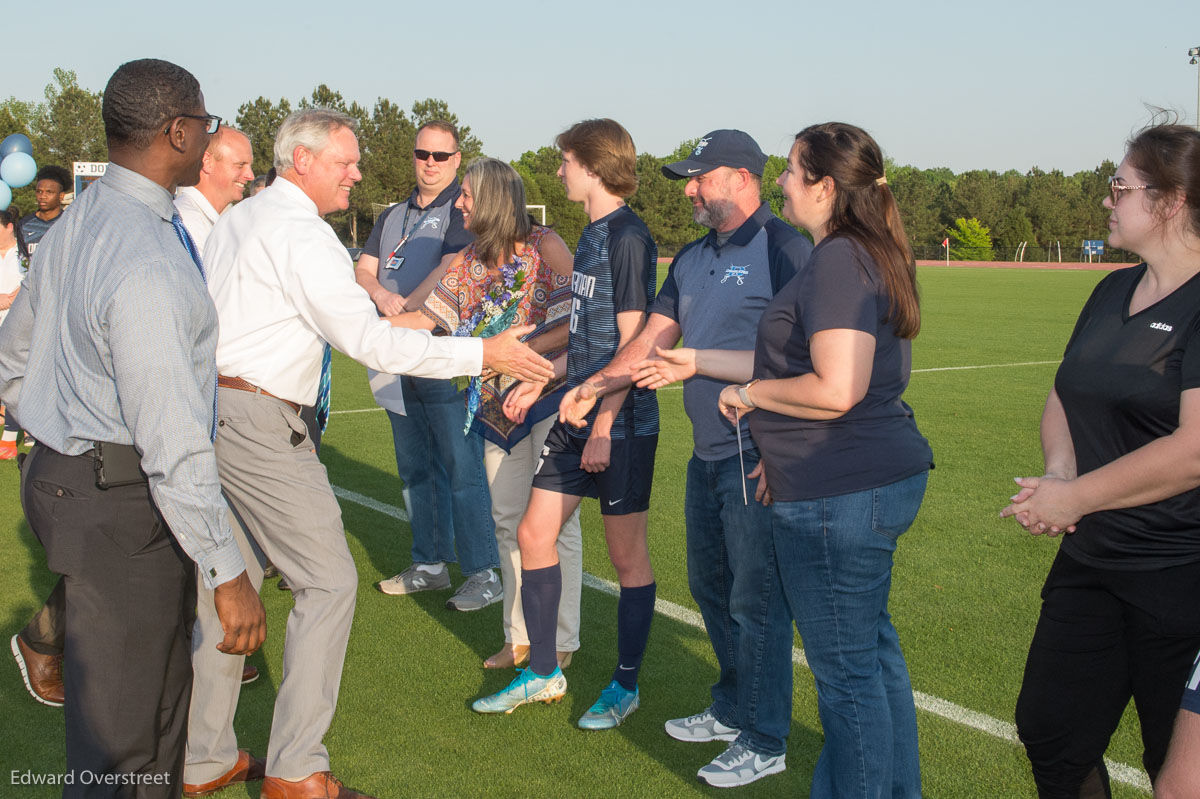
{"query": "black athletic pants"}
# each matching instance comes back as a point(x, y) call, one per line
point(130, 598)
point(1103, 637)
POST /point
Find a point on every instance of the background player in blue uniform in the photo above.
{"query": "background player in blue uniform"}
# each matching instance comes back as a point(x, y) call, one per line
point(611, 454)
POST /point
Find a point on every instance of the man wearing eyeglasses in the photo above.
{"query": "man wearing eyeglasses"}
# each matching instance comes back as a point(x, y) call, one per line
point(110, 358)
point(224, 172)
point(446, 490)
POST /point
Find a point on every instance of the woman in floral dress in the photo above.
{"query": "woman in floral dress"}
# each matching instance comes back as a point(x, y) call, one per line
point(515, 273)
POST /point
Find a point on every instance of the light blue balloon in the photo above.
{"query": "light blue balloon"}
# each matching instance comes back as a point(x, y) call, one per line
point(15, 143)
point(18, 169)
point(5, 196)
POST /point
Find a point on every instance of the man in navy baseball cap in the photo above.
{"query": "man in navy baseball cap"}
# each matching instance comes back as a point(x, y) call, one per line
point(713, 298)
point(731, 148)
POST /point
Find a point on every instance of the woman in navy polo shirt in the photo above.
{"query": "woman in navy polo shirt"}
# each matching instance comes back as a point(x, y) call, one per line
point(844, 461)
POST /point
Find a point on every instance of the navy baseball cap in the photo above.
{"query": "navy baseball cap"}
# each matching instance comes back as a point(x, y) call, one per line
point(731, 148)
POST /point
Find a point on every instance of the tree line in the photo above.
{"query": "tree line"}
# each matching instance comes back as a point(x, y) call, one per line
point(984, 214)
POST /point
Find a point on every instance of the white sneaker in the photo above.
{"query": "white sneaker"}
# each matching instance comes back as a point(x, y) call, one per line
point(480, 590)
point(700, 728)
point(738, 766)
point(412, 580)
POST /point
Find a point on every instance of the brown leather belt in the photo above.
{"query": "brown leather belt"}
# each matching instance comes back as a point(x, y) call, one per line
point(243, 385)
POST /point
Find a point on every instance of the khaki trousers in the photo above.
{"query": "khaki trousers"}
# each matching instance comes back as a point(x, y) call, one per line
point(280, 491)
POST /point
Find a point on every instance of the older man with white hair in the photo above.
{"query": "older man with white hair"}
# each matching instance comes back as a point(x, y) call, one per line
point(285, 293)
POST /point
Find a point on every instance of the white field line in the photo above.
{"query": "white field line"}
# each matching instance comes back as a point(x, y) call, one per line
point(931, 704)
point(983, 366)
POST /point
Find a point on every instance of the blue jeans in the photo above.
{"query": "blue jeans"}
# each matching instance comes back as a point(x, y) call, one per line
point(835, 558)
point(442, 469)
point(733, 577)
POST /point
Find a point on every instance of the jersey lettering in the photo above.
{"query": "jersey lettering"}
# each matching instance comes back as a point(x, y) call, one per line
point(583, 285)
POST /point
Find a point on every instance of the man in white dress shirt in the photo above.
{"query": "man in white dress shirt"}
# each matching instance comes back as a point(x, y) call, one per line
point(223, 178)
point(284, 286)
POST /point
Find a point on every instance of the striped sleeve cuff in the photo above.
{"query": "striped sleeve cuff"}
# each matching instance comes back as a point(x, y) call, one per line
point(221, 565)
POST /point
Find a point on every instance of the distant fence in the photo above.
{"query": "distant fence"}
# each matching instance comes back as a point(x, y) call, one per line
point(1040, 256)
point(1069, 255)
point(1065, 265)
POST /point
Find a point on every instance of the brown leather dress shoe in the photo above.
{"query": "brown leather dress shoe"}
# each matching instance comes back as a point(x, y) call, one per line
point(246, 769)
point(322, 785)
point(42, 673)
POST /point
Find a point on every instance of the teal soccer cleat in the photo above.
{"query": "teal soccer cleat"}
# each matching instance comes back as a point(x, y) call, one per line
point(614, 706)
point(526, 688)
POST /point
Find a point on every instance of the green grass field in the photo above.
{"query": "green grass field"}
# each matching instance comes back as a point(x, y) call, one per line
point(965, 600)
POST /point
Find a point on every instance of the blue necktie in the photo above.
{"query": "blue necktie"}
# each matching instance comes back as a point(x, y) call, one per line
point(325, 388)
point(185, 238)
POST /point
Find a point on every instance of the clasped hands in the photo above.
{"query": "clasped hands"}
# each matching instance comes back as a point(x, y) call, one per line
point(1044, 506)
point(505, 353)
point(666, 367)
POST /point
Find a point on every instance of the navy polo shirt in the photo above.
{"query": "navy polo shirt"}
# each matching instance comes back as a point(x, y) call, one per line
point(876, 442)
point(717, 294)
point(433, 231)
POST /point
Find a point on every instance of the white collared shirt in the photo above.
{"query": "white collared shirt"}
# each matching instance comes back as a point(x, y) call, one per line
point(284, 285)
point(197, 213)
point(11, 273)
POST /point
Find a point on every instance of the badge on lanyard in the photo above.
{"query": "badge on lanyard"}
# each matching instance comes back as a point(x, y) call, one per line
point(396, 260)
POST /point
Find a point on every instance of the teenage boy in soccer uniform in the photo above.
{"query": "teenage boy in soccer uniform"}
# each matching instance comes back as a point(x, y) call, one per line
point(611, 455)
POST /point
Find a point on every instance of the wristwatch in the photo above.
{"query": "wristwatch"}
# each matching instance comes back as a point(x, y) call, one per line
point(743, 393)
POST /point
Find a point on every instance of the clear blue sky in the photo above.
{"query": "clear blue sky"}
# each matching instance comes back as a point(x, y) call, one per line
point(964, 85)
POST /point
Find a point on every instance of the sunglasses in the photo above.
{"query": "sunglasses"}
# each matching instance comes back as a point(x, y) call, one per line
point(1115, 188)
point(423, 155)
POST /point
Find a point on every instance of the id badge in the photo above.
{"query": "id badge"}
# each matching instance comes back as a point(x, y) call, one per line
point(395, 262)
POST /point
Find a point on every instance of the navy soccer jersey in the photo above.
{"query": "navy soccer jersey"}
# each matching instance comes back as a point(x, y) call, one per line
point(31, 230)
point(615, 271)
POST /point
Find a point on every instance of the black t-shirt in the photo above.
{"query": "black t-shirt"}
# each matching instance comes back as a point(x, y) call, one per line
point(1119, 383)
point(876, 442)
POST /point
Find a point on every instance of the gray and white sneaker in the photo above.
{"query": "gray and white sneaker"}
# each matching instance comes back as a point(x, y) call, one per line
point(480, 590)
point(700, 728)
point(412, 580)
point(739, 765)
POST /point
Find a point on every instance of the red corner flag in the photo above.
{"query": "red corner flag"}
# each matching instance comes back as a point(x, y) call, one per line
point(946, 242)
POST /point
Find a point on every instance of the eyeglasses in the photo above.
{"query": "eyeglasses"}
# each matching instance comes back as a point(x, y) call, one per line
point(212, 123)
point(1115, 188)
point(423, 155)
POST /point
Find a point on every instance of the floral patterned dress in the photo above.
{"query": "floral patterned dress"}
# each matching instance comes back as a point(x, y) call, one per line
point(456, 307)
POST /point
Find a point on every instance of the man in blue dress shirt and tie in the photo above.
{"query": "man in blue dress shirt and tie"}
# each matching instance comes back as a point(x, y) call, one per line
point(109, 354)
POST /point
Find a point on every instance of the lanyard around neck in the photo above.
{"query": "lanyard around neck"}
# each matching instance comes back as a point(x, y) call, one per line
point(408, 233)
